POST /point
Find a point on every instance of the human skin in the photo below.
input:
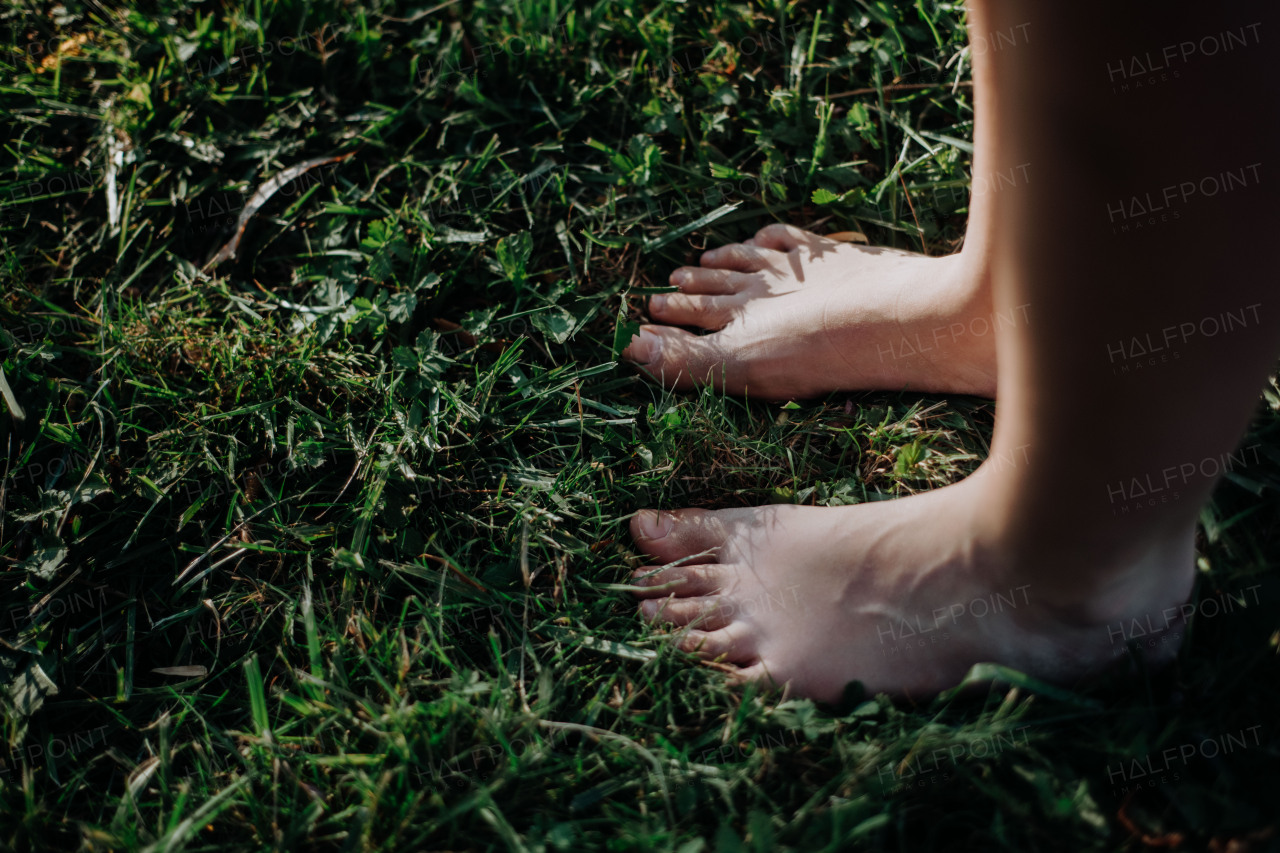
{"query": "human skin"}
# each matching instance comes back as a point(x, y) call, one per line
point(1074, 523)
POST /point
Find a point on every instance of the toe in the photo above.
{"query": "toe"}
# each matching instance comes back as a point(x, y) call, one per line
point(730, 644)
point(708, 280)
point(680, 581)
point(694, 309)
point(676, 535)
point(681, 359)
point(646, 347)
point(740, 257)
point(756, 673)
point(783, 238)
point(704, 612)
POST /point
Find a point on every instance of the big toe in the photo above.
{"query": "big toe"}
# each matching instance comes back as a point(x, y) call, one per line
point(676, 535)
point(681, 359)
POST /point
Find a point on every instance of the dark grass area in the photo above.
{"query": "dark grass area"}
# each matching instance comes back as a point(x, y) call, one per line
point(314, 548)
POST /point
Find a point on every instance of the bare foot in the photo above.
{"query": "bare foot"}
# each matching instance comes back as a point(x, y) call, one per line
point(900, 595)
point(796, 315)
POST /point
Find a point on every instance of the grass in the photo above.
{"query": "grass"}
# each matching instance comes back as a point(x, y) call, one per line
point(314, 547)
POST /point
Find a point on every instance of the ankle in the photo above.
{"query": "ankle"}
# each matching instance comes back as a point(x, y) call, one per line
point(974, 276)
point(1110, 588)
point(1083, 580)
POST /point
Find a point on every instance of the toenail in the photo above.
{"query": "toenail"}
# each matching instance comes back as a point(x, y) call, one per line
point(680, 278)
point(645, 347)
point(657, 302)
point(656, 525)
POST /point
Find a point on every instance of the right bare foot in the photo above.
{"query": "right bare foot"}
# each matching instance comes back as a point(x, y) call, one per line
point(796, 315)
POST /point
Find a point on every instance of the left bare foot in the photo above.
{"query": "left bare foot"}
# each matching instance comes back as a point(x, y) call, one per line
point(901, 595)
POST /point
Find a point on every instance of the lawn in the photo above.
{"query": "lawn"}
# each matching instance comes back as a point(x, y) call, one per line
point(313, 540)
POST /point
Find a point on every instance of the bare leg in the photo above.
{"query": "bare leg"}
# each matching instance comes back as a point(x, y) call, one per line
point(1063, 535)
point(1116, 406)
